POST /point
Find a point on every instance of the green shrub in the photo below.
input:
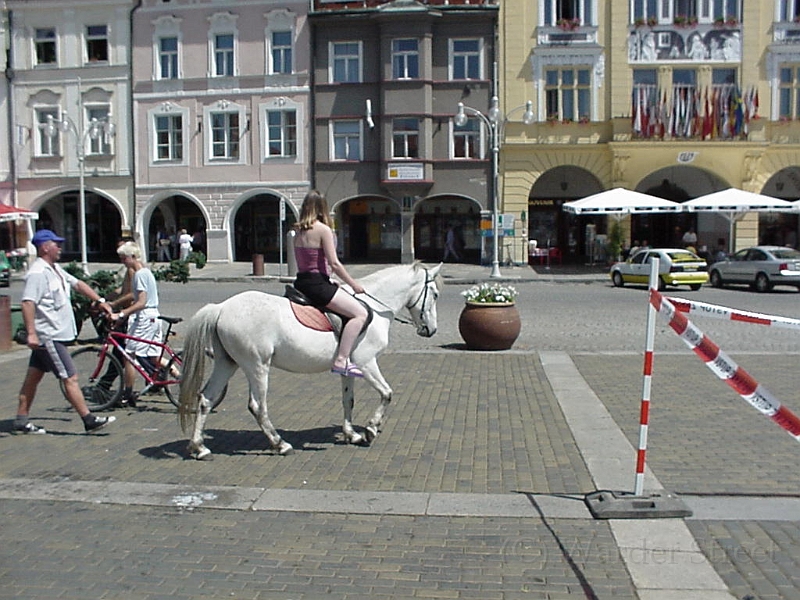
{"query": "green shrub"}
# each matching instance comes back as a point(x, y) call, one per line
point(177, 270)
point(614, 244)
point(104, 282)
point(198, 258)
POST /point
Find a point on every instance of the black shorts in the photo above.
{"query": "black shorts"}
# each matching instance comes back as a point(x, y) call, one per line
point(317, 287)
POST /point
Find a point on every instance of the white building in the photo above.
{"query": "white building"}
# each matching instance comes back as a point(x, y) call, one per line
point(69, 110)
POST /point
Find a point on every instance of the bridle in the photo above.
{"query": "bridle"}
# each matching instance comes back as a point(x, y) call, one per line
point(423, 296)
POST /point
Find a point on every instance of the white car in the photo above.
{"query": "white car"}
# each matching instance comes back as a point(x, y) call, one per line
point(761, 267)
point(677, 267)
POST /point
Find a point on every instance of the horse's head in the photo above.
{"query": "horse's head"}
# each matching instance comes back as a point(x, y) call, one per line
point(422, 305)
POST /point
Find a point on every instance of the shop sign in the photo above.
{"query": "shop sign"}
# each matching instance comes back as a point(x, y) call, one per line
point(505, 223)
point(406, 172)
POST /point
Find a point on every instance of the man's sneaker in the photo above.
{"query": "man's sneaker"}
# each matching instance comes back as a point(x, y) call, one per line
point(97, 423)
point(29, 428)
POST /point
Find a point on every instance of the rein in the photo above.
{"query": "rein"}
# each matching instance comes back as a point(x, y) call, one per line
point(423, 295)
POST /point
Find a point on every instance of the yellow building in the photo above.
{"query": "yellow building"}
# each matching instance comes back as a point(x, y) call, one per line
point(675, 98)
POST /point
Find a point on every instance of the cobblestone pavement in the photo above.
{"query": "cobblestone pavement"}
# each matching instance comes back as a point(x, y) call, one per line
point(63, 550)
point(463, 423)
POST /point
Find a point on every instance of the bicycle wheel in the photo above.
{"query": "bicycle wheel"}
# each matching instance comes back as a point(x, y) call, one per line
point(101, 393)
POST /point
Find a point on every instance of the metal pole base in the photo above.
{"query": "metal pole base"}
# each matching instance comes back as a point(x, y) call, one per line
point(606, 504)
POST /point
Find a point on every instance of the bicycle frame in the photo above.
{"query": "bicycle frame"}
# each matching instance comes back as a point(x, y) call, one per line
point(116, 339)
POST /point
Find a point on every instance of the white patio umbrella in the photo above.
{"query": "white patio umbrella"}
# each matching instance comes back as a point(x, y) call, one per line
point(733, 204)
point(619, 202)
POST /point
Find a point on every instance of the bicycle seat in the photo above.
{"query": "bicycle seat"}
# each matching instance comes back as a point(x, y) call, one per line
point(170, 320)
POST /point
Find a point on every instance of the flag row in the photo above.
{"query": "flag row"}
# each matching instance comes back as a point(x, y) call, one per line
point(685, 111)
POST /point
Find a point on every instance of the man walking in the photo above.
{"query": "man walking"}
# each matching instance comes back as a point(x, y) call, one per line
point(50, 323)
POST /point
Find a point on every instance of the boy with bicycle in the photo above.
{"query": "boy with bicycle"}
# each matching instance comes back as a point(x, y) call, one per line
point(142, 315)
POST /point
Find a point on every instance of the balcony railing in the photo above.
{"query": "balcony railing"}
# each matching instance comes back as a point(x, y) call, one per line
point(566, 35)
point(330, 5)
point(786, 32)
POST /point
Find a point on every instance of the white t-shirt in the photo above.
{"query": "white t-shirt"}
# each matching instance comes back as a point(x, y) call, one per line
point(49, 288)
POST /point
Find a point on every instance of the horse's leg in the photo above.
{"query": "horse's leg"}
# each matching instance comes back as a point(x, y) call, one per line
point(224, 368)
point(373, 375)
point(259, 381)
point(348, 401)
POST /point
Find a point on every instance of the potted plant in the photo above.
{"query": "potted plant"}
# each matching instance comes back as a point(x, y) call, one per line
point(489, 319)
point(614, 245)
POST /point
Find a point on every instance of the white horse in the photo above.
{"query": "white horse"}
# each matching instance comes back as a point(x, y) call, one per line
point(255, 331)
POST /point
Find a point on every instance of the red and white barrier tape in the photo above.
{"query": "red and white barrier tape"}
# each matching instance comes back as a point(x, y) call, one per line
point(731, 314)
point(724, 367)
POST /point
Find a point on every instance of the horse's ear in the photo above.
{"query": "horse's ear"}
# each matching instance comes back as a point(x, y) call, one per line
point(435, 270)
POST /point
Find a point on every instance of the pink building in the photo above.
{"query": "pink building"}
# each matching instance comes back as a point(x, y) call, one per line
point(221, 119)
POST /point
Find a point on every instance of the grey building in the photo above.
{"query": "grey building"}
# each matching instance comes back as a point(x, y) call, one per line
point(386, 81)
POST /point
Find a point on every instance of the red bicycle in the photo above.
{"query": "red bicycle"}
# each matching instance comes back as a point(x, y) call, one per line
point(101, 373)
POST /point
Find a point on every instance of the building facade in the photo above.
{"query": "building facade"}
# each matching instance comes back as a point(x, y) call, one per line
point(68, 110)
point(387, 80)
point(221, 120)
point(676, 99)
point(218, 117)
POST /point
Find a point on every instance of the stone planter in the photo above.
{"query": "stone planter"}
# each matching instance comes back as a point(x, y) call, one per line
point(489, 326)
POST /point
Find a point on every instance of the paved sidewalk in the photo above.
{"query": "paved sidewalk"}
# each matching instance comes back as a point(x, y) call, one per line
point(474, 489)
point(452, 272)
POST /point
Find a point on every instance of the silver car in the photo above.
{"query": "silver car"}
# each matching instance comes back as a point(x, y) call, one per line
point(761, 267)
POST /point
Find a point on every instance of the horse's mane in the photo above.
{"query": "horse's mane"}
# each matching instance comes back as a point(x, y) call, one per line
point(382, 273)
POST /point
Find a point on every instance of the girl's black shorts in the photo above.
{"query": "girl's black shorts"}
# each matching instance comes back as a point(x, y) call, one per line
point(317, 287)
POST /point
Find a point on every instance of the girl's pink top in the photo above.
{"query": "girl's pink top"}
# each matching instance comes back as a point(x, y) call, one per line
point(311, 260)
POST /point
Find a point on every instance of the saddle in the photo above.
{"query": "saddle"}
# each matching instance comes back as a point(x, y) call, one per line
point(319, 319)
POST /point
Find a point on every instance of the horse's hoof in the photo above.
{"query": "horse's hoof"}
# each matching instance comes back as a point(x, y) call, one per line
point(372, 433)
point(356, 439)
point(285, 449)
point(204, 455)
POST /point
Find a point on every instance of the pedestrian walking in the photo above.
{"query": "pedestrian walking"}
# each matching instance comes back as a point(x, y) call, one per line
point(50, 324)
point(163, 241)
point(185, 244)
point(451, 245)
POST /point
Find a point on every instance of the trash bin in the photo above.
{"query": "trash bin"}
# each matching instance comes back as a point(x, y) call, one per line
point(5, 323)
point(258, 265)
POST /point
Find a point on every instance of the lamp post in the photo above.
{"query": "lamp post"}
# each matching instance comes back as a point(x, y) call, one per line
point(495, 122)
point(93, 130)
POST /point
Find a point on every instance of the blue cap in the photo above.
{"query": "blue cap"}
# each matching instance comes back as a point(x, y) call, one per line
point(45, 235)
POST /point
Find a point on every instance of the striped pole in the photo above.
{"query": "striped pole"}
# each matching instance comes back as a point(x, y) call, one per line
point(725, 368)
point(647, 377)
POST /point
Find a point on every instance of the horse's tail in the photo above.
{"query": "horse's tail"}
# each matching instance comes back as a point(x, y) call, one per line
point(196, 344)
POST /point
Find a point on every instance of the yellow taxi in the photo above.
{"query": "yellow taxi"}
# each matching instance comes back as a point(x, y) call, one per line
point(677, 267)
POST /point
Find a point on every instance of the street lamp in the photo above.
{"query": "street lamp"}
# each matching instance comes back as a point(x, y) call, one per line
point(495, 122)
point(93, 130)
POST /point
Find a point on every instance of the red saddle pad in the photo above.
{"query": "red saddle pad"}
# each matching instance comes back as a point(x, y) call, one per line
point(311, 317)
